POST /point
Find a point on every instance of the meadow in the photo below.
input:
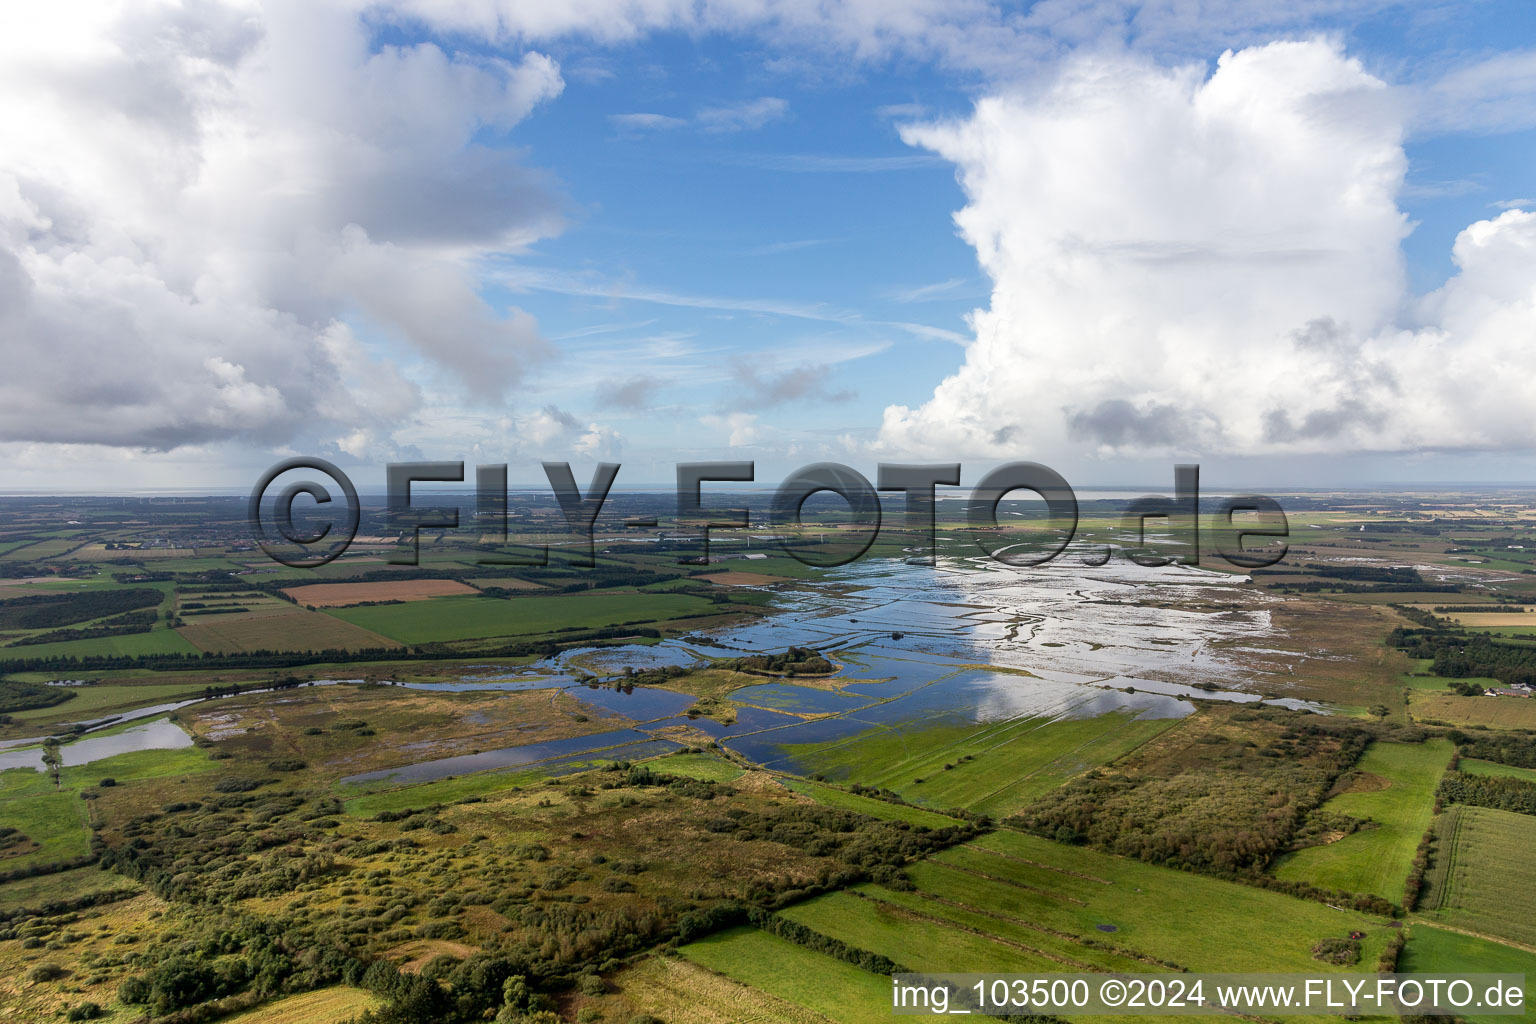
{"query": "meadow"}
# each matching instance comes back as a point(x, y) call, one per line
point(1474, 883)
point(1474, 766)
point(1396, 790)
point(468, 618)
point(1073, 891)
point(813, 981)
point(102, 699)
point(1435, 950)
point(55, 818)
point(990, 769)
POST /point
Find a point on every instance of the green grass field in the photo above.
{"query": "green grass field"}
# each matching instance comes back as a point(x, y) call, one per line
point(1377, 860)
point(100, 701)
point(1013, 762)
point(1473, 766)
point(836, 990)
point(1436, 951)
point(156, 641)
point(56, 818)
point(833, 797)
point(710, 767)
point(1474, 884)
point(445, 791)
point(1060, 895)
point(468, 618)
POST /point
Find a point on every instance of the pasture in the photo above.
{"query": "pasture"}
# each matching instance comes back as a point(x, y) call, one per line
point(814, 981)
point(1053, 899)
point(103, 699)
point(1397, 791)
point(661, 985)
point(469, 618)
point(834, 797)
point(994, 769)
point(1436, 951)
point(1474, 766)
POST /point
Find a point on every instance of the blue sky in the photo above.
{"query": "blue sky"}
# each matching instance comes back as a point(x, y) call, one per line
point(661, 233)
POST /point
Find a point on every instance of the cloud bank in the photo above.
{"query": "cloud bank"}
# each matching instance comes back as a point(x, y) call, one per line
point(200, 208)
point(1199, 264)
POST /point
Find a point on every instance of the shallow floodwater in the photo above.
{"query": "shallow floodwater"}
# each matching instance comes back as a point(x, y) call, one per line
point(161, 735)
point(918, 645)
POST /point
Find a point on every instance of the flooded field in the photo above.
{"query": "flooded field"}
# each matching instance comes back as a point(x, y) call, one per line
point(969, 645)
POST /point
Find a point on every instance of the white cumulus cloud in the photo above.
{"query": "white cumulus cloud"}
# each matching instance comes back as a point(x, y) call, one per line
point(200, 204)
point(1199, 263)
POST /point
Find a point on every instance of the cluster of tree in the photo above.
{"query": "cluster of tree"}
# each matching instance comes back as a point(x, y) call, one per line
point(1453, 609)
point(208, 854)
point(11, 917)
point(1400, 576)
point(19, 696)
point(47, 611)
point(1423, 857)
point(178, 662)
point(797, 661)
point(1458, 655)
point(653, 676)
point(120, 625)
point(1319, 586)
point(1226, 817)
point(837, 949)
point(1499, 792)
point(1516, 748)
point(236, 954)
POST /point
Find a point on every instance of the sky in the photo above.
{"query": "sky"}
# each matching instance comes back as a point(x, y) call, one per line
point(1293, 243)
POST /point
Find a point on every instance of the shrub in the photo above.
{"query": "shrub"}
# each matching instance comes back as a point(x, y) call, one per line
point(1337, 951)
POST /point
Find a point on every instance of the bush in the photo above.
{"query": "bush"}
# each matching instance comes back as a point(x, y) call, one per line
point(1337, 951)
point(133, 991)
point(236, 784)
point(104, 783)
point(46, 972)
point(85, 1011)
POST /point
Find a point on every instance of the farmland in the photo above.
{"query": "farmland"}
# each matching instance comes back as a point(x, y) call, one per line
point(339, 595)
point(467, 618)
point(1395, 789)
point(1470, 885)
point(1494, 712)
point(293, 630)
